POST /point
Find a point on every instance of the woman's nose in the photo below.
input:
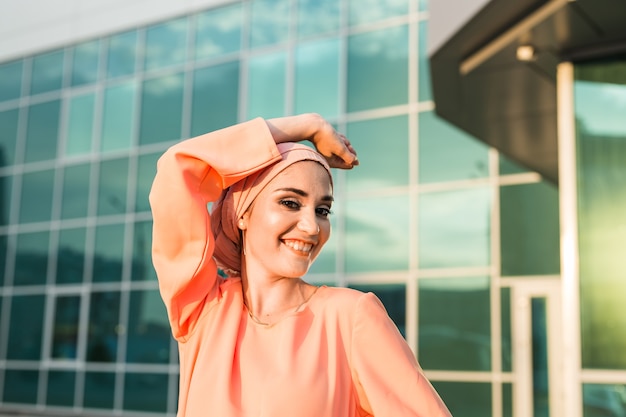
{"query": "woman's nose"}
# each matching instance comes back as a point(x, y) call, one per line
point(308, 224)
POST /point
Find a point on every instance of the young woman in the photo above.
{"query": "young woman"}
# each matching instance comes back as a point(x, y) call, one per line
point(263, 342)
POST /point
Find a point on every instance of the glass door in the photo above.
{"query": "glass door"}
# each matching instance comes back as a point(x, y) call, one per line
point(536, 312)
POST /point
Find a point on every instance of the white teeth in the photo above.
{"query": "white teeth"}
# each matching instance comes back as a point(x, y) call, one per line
point(299, 246)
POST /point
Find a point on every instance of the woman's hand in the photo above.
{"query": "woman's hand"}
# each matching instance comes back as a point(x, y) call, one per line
point(333, 146)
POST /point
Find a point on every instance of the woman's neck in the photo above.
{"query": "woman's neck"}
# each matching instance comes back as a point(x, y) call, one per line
point(269, 301)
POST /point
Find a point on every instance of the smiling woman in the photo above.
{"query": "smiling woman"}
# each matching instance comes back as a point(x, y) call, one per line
point(263, 341)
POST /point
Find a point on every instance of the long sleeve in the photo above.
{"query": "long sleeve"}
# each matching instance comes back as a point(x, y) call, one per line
point(189, 175)
point(388, 379)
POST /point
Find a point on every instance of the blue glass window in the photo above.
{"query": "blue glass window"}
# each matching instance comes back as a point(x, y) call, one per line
point(373, 57)
point(85, 63)
point(266, 85)
point(71, 256)
point(104, 310)
point(121, 58)
point(149, 334)
point(25, 329)
point(118, 116)
point(36, 201)
point(47, 72)
point(377, 234)
point(215, 98)
point(108, 253)
point(269, 22)
point(8, 136)
point(455, 228)
point(31, 258)
point(80, 124)
point(166, 44)
point(447, 154)
point(459, 338)
point(161, 109)
point(218, 31)
point(317, 78)
point(387, 161)
point(11, 80)
point(42, 131)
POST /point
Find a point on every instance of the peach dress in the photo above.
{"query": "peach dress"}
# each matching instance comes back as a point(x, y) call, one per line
point(340, 355)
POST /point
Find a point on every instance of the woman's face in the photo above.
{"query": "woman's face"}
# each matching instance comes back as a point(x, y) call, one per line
point(289, 222)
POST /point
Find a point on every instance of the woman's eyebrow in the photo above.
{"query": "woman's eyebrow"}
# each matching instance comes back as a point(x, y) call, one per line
point(304, 193)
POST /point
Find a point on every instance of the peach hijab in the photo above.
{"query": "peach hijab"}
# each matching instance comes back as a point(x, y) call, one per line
point(236, 199)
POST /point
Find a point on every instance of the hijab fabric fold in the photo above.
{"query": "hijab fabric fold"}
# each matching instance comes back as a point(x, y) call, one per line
point(237, 199)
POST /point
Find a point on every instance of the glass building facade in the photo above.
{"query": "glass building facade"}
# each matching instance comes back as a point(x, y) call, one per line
point(437, 224)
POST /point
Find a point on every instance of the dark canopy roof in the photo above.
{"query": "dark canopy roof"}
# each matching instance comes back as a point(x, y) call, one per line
point(480, 85)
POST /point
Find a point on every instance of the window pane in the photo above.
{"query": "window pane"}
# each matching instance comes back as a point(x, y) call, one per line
point(507, 166)
point(317, 16)
point(31, 259)
point(376, 234)
point(161, 109)
point(317, 78)
point(117, 117)
point(466, 399)
point(103, 327)
point(423, 64)
point(4, 278)
point(86, 61)
point(373, 10)
point(507, 400)
point(505, 318)
point(142, 258)
point(387, 161)
point(266, 85)
point(25, 328)
point(447, 154)
point(148, 328)
point(108, 253)
point(74, 202)
point(112, 186)
point(269, 22)
point(80, 125)
point(378, 69)
point(36, 201)
point(146, 170)
point(61, 386)
point(459, 338)
point(146, 392)
point(8, 136)
point(218, 31)
point(122, 54)
point(47, 72)
point(529, 229)
point(6, 185)
point(99, 390)
point(601, 400)
point(454, 228)
point(65, 332)
point(393, 297)
point(23, 386)
point(71, 256)
point(42, 131)
point(11, 80)
point(166, 44)
point(600, 104)
point(215, 98)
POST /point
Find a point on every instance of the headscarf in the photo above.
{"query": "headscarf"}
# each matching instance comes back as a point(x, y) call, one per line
point(236, 199)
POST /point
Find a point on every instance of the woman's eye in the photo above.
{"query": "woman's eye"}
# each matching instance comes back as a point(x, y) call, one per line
point(290, 204)
point(323, 212)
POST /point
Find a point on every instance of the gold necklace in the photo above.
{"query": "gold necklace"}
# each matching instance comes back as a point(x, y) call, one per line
point(263, 323)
